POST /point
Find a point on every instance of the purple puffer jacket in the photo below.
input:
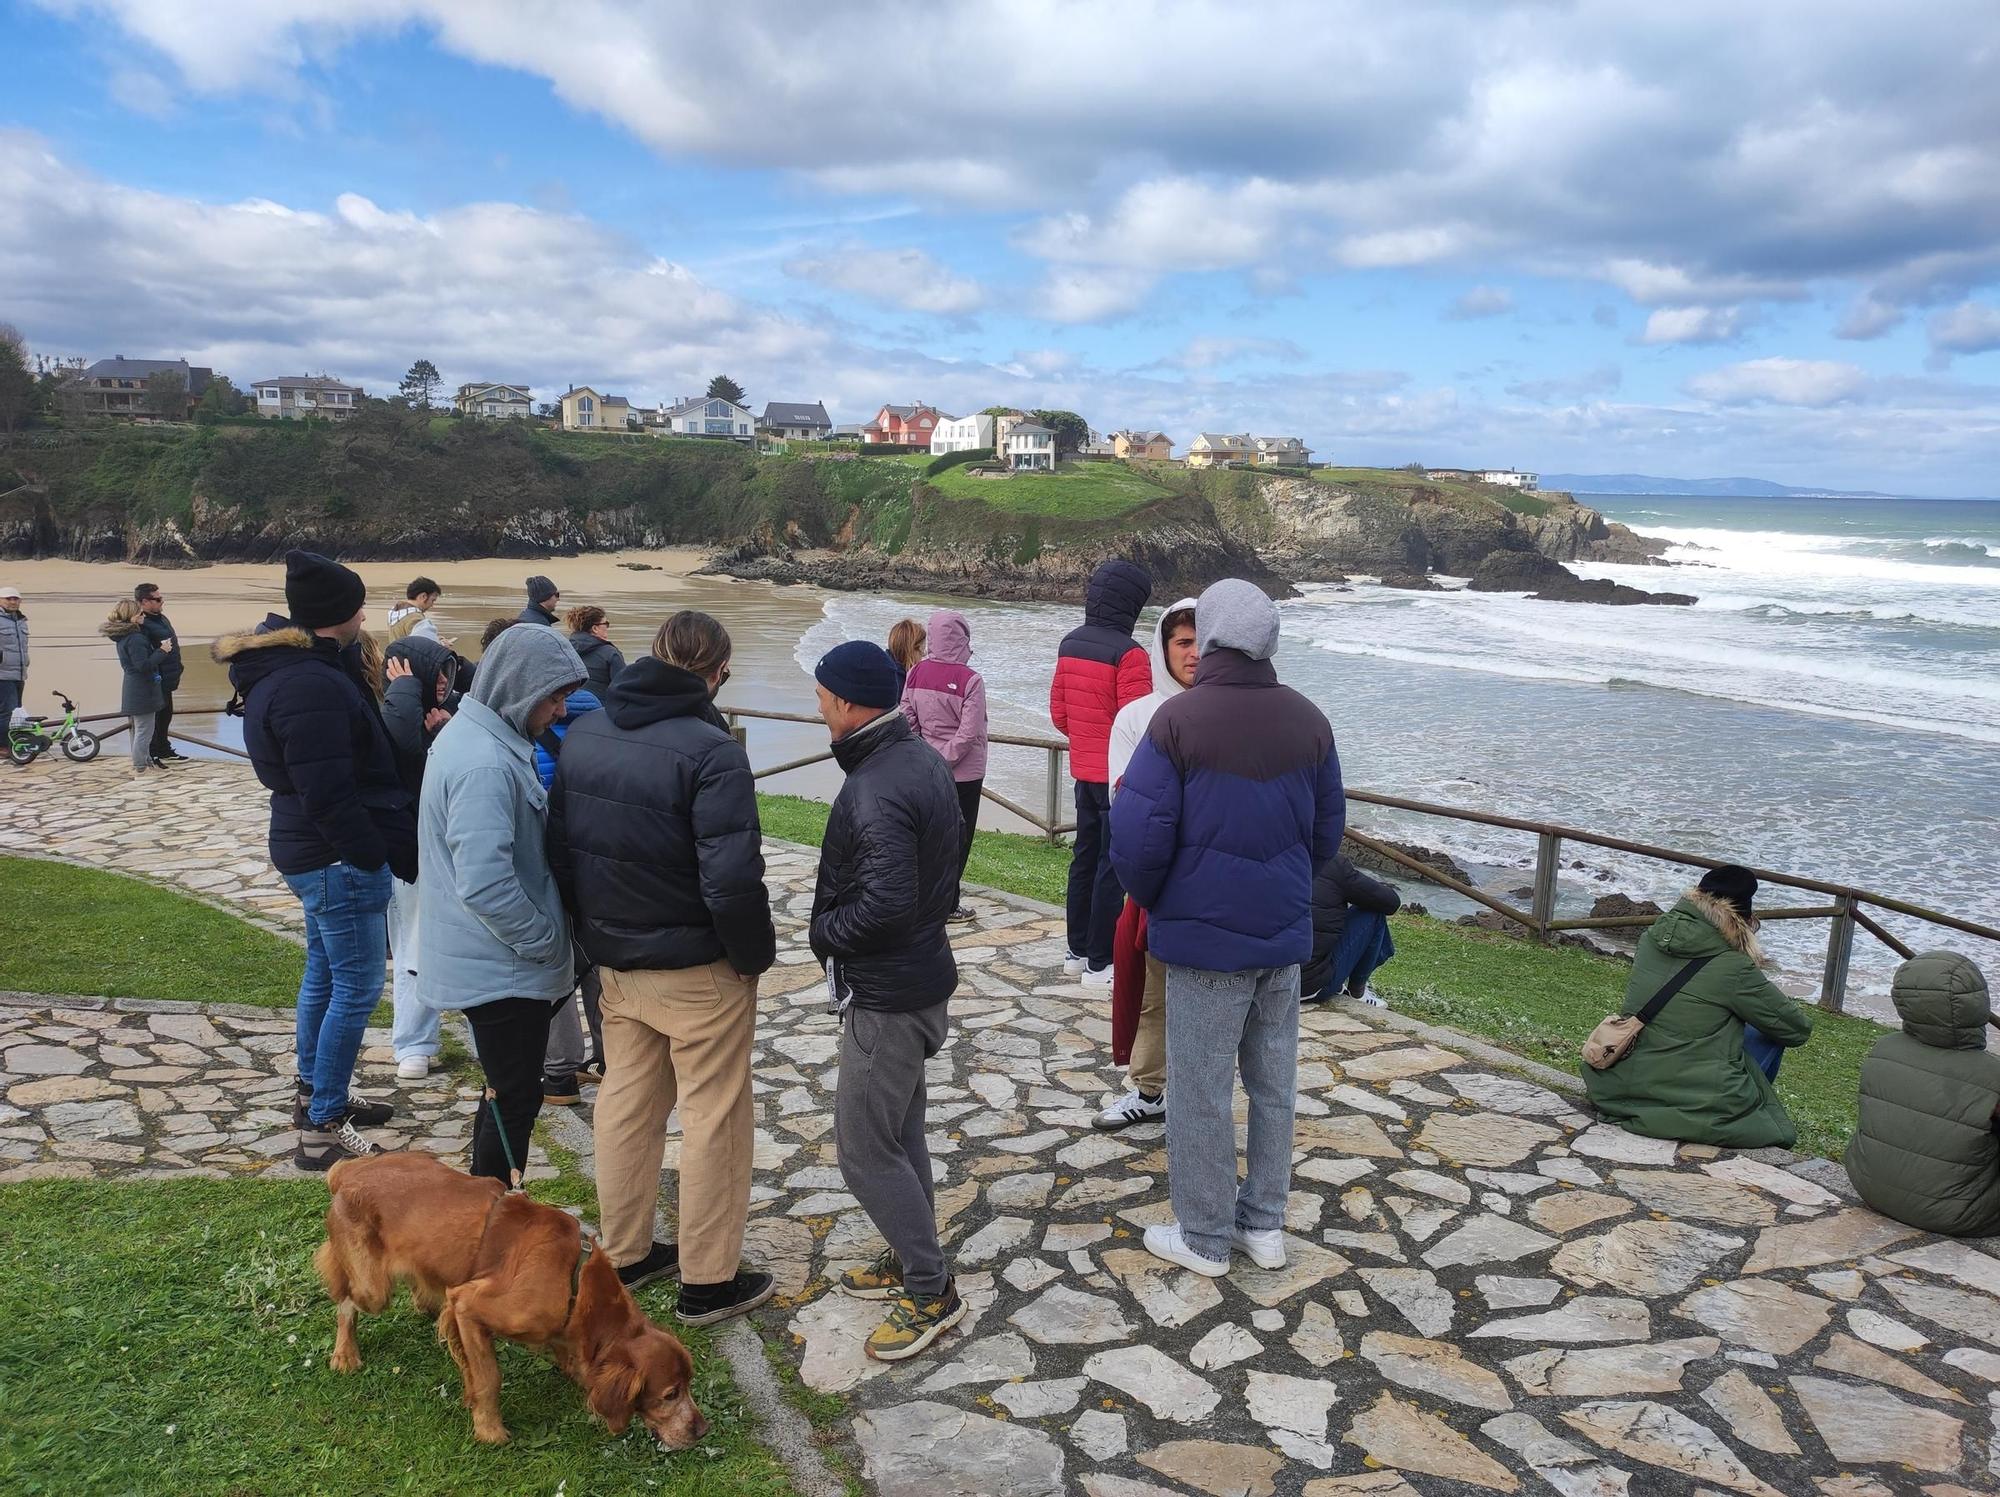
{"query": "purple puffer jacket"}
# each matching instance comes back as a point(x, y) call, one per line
point(945, 700)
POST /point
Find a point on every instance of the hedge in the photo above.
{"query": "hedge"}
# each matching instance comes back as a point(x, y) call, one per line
point(886, 449)
point(937, 465)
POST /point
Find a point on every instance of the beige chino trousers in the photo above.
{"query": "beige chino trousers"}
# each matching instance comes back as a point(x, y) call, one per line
point(683, 1037)
point(1147, 1069)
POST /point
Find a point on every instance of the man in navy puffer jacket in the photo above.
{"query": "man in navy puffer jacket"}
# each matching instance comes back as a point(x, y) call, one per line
point(1230, 805)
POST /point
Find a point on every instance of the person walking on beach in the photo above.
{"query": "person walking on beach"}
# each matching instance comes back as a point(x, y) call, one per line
point(655, 842)
point(419, 697)
point(140, 660)
point(412, 616)
point(590, 634)
point(945, 701)
point(907, 642)
point(1231, 803)
point(342, 831)
point(543, 601)
point(1139, 979)
point(1099, 669)
point(160, 630)
point(492, 938)
point(888, 882)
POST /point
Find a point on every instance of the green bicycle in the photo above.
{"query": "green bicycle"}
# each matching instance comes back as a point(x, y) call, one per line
point(37, 735)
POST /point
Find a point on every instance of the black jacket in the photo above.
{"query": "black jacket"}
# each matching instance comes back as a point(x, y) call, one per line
point(888, 871)
point(318, 744)
point(159, 630)
point(601, 658)
point(409, 698)
point(534, 613)
point(1338, 885)
point(653, 832)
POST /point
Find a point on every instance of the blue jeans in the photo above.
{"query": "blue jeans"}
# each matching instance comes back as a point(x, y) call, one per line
point(1763, 1054)
point(1363, 946)
point(10, 698)
point(347, 943)
point(1094, 898)
point(1216, 1022)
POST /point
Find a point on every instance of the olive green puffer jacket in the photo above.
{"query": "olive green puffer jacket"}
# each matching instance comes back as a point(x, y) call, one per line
point(1925, 1152)
point(1687, 1078)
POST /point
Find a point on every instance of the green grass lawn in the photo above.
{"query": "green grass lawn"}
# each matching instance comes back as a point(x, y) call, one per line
point(80, 930)
point(1001, 860)
point(171, 1336)
point(1086, 491)
point(1401, 483)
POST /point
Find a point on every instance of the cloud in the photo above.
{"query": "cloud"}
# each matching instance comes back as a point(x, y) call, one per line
point(1693, 325)
point(1212, 352)
point(1780, 381)
point(1868, 318)
point(1969, 327)
point(907, 278)
point(1480, 301)
point(1072, 293)
point(1602, 380)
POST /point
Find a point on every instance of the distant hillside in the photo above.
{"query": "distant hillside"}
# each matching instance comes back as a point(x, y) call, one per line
point(1717, 488)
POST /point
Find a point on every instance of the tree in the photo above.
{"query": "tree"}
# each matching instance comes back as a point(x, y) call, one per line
point(1072, 431)
point(722, 387)
point(220, 399)
point(19, 397)
point(420, 385)
point(167, 395)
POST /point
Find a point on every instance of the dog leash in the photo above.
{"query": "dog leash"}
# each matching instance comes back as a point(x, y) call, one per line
point(513, 1168)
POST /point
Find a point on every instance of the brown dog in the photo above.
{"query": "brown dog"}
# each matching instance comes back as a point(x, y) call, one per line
point(489, 1264)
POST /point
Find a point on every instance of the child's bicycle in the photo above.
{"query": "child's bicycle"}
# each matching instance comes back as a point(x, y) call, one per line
point(37, 735)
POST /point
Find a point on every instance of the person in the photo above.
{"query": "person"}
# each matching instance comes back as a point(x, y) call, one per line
point(159, 629)
point(1701, 1070)
point(543, 601)
point(1350, 933)
point(590, 632)
point(656, 845)
point(413, 615)
point(140, 660)
point(1927, 1149)
point(342, 830)
point(492, 938)
point(1099, 669)
point(1139, 979)
point(888, 882)
point(906, 644)
point(420, 697)
point(945, 701)
point(13, 653)
point(564, 1064)
point(1231, 803)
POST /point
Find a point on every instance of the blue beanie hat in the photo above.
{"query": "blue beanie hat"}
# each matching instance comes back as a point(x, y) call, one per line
point(861, 672)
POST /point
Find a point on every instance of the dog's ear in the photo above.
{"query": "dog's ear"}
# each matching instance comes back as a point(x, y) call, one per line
point(615, 1385)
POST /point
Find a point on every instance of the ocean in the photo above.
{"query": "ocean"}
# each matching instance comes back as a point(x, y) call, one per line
point(1830, 707)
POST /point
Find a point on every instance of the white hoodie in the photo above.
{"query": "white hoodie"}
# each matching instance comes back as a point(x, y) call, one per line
point(1135, 717)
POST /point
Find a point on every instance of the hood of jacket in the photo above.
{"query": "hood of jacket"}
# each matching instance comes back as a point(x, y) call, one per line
point(649, 690)
point(1943, 1001)
point(120, 628)
point(519, 669)
point(587, 644)
point(428, 660)
point(1702, 925)
point(950, 637)
point(274, 645)
point(1116, 595)
point(1164, 684)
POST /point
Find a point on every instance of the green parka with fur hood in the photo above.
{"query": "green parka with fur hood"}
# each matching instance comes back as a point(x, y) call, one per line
point(1688, 1077)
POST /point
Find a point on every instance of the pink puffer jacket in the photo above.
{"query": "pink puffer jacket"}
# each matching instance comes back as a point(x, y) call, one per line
point(945, 700)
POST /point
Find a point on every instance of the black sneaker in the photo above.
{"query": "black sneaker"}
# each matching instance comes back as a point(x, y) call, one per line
point(164, 763)
point(365, 1114)
point(706, 1304)
point(560, 1091)
point(171, 756)
point(320, 1149)
point(662, 1261)
point(960, 915)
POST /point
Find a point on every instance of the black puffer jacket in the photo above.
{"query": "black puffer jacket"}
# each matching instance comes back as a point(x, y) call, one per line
point(159, 629)
point(1337, 886)
point(408, 699)
point(888, 870)
point(601, 658)
point(318, 744)
point(534, 613)
point(653, 832)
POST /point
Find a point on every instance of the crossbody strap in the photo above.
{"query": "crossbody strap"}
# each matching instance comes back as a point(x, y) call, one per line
point(1674, 984)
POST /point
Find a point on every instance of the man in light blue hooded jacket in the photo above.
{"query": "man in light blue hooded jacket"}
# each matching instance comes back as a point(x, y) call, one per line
point(492, 936)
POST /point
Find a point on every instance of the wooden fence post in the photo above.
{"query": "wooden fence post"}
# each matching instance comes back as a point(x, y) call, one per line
point(1548, 864)
point(1839, 948)
point(1052, 797)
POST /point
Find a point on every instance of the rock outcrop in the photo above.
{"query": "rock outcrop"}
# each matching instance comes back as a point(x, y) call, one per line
point(1541, 577)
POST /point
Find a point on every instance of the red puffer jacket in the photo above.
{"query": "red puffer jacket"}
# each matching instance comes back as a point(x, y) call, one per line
point(1100, 667)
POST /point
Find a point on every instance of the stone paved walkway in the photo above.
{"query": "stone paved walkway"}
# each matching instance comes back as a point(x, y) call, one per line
point(1486, 1292)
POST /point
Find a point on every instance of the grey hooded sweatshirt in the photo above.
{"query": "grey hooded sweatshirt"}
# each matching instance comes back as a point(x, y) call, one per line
point(490, 919)
point(1130, 724)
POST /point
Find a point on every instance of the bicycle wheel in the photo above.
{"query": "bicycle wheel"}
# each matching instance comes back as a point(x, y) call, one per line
point(22, 751)
point(81, 746)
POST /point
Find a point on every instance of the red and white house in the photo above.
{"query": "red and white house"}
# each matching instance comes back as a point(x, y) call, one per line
point(904, 425)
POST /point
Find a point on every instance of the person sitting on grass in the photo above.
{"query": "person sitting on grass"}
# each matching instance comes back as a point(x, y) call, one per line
point(1701, 1071)
point(1350, 933)
point(1926, 1150)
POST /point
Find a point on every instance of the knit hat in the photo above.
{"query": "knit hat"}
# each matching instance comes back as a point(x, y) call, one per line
point(540, 590)
point(319, 591)
point(861, 672)
point(1235, 615)
point(1733, 884)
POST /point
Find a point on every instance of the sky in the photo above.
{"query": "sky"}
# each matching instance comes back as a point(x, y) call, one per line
point(1691, 239)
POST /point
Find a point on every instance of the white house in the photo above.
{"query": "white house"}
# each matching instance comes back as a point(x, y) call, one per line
point(711, 416)
point(1510, 478)
point(961, 434)
point(288, 396)
point(495, 402)
point(1031, 446)
point(1280, 452)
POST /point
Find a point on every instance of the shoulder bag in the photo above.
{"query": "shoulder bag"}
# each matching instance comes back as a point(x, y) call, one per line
point(1613, 1038)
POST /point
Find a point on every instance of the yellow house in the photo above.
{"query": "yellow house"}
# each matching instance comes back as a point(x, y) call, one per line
point(583, 409)
point(1150, 444)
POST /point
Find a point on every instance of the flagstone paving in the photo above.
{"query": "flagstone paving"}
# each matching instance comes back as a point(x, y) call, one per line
point(1486, 1290)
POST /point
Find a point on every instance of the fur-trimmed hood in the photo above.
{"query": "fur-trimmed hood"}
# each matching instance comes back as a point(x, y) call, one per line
point(1718, 913)
point(275, 633)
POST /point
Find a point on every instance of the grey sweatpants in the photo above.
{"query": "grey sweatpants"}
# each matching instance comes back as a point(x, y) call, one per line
point(1217, 1021)
point(878, 1132)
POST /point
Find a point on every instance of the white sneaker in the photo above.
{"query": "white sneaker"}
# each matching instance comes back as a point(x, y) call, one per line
point(1368, 998)
point(1265, 1249)
point(1134, 1107)
point(413, 1068)
point(1166, 1242)
point(1097, 977)
point(1074, 965)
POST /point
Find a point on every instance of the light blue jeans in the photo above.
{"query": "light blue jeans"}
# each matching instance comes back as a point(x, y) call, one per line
point(347, 940)
point(415, 1027)
point(1216, 1022)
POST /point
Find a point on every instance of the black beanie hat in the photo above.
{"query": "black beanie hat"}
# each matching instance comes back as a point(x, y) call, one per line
point(319, 591)
point(861, 672)
point(1734, 885)
point(540, 590)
